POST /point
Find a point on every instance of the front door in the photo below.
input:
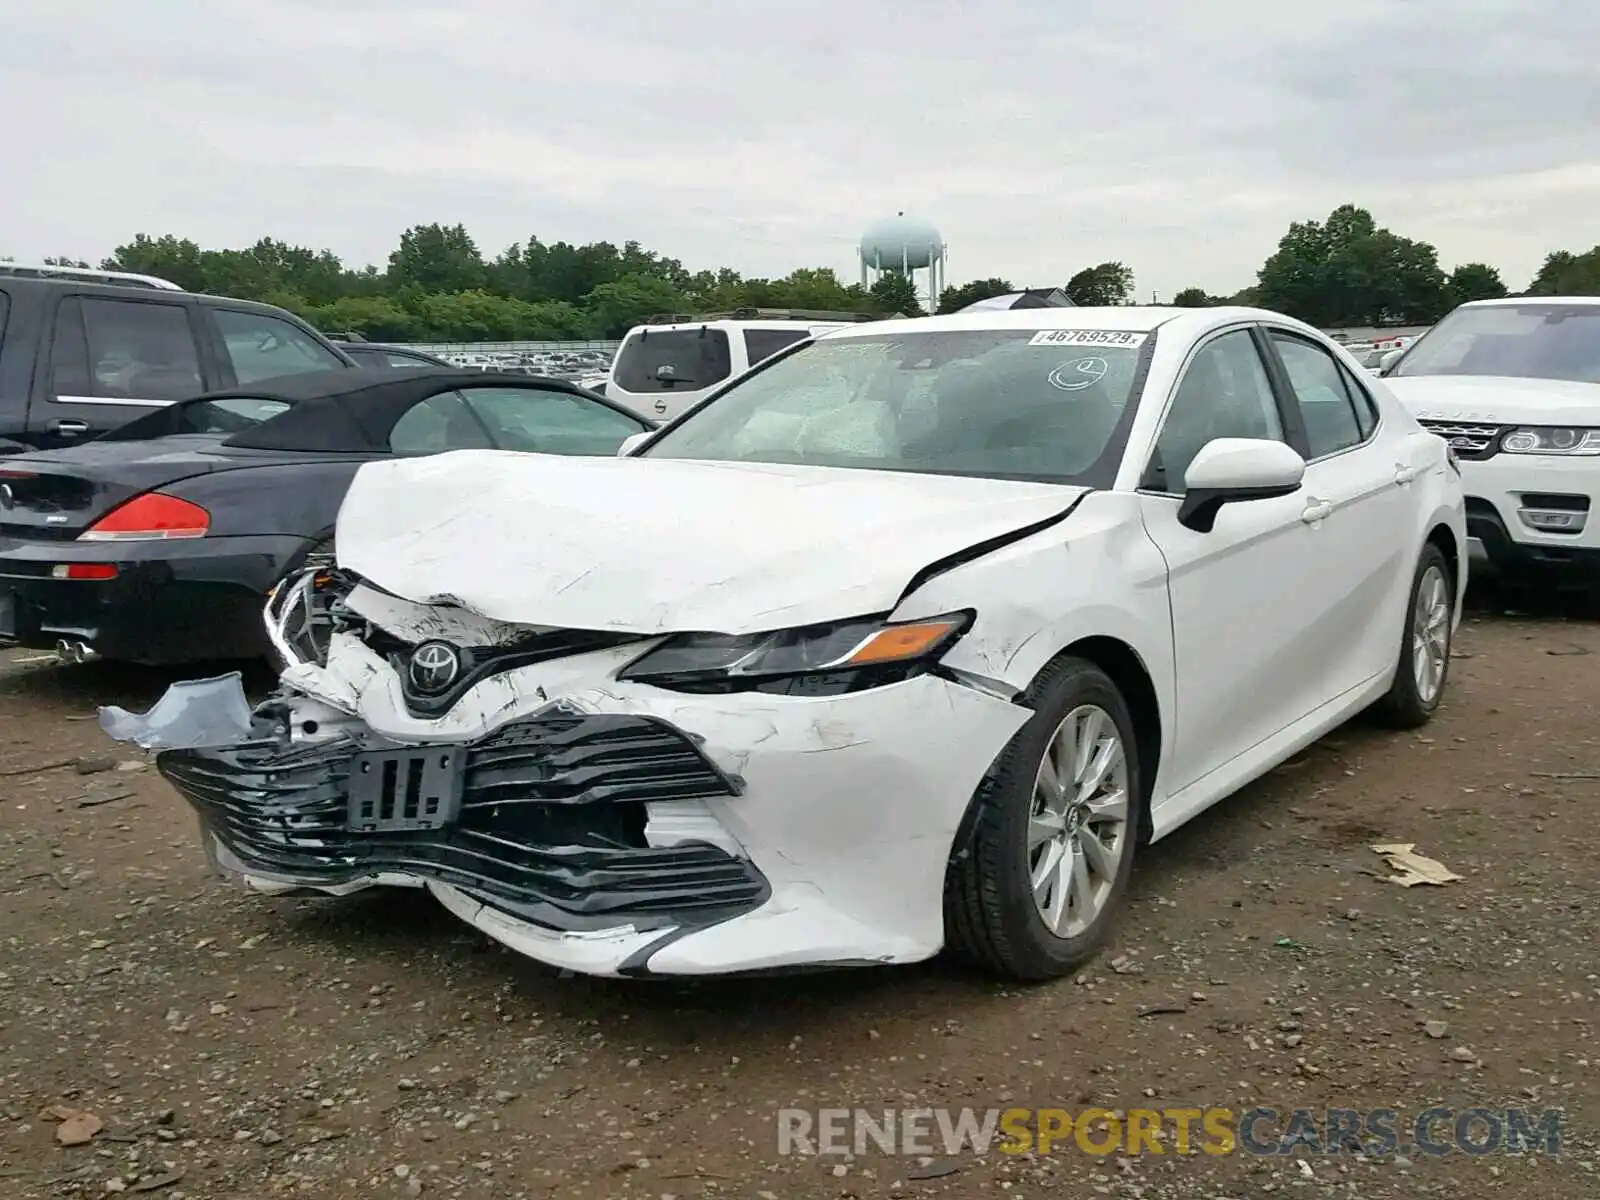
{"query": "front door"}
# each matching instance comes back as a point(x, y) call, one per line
point(1239, 618)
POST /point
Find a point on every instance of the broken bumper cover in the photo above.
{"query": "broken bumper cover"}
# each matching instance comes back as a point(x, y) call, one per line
point(549, 826)
point(628, 830)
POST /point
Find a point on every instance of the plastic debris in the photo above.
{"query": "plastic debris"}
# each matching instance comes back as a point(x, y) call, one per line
point(1414, 868)
point(196, 714)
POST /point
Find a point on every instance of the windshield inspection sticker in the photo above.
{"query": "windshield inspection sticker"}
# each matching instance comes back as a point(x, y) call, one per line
point(1121, 338)
point(1080, 373)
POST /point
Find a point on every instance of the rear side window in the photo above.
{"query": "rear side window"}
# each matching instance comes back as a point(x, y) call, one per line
point(764, 343)
point(263, 347)
point(1319, 386)
point(436, 425)
point(111, 350)
point(1366, 410)
point(666, 360)
point(544, 421)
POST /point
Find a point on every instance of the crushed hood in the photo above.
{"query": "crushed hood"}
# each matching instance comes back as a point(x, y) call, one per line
point(644, 545)
point(1500, 401)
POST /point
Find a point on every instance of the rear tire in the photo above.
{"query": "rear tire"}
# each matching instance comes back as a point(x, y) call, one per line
point(1423, 669)
point(1061, 807)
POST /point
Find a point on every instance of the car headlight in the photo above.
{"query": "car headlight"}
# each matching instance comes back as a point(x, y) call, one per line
point(1547, 439)
point(815, 660)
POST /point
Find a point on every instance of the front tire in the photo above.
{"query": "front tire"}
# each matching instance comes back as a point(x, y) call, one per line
point(1424, 666)
point(1037, 887)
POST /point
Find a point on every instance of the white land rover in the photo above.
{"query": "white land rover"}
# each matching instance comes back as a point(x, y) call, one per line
point(1514, 387)
point(663, 368)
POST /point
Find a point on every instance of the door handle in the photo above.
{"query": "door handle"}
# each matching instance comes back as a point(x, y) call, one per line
point(69, 428)
point(1404, 474)
point(1317, 510)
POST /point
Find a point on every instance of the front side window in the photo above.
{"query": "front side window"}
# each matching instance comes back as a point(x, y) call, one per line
point(1518, 341)
point(263, 347)
point(1224, 393)
point(668, 360)
point(545, 421)
point(1000, 403)
point(438, 424)
point(1325, 406)
point(134, 350)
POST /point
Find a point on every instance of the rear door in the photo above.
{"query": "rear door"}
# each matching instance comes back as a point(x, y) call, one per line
point(1355, 469)
point(108, 358)
point(660, 372)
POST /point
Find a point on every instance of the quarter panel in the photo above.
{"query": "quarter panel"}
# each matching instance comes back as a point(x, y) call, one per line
point(296, 498)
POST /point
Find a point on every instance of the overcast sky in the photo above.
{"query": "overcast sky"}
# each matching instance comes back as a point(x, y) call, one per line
point(1038, 135)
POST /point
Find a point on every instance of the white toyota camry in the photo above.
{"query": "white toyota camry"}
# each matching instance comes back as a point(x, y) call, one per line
point(905, 641)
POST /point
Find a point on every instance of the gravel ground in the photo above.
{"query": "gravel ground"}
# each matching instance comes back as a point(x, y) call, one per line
point(233, 1046)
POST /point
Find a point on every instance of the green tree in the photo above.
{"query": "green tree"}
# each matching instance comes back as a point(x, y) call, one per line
point(1567, 274)
point(1100, 285)
point(894, 292)
point(438, 258)
point(1475, 281)
point(614, 308)
point(954, 299)
point(1193, 297)
point(1349, 271)
point(179, 260)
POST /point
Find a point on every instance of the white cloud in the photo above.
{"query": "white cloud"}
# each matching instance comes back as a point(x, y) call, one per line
point(1040, 137)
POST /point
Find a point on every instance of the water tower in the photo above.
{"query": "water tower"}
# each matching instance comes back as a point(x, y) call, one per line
point(905, 245)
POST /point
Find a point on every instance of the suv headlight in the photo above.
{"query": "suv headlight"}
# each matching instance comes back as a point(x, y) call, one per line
point(826, 659)
point(1550, 439)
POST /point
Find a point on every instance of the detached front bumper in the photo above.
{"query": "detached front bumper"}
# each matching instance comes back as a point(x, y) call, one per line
point(627, 830)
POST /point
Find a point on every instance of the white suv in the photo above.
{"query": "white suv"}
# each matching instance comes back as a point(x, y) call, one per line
point(1514, 387)
point(661, 370)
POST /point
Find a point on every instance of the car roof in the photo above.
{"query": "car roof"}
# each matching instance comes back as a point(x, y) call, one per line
point(1521, 301)
point(1132, 318)
point(353, 410)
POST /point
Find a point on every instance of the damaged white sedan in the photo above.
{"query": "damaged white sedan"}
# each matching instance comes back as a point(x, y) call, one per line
point(905, 641)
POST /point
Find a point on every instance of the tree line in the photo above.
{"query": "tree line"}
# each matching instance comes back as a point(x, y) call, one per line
point(438, 286)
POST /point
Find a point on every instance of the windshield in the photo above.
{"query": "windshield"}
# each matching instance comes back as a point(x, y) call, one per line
point(1002, 403)
point(666, 360)
point(1521, 341)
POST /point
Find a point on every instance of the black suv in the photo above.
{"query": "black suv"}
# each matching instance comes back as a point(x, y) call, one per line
point(83, 351)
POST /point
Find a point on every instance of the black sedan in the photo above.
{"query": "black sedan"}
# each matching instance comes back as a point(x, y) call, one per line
point(159, 542)
point(391, 358)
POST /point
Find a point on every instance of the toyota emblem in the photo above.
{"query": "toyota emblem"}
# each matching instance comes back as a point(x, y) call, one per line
point(435, 667)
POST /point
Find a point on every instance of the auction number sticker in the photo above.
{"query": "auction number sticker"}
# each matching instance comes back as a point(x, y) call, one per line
point(1128, 338)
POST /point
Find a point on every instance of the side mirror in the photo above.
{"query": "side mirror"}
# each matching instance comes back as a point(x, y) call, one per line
point(633, 442)
point(1389, 360)
point(1233, 470)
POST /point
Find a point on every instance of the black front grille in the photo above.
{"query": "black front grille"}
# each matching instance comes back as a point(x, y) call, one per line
point(480, 662)
point(1470, 440)
point(551, 824)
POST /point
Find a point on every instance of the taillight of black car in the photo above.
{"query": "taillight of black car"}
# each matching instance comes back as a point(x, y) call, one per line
point(151, 517)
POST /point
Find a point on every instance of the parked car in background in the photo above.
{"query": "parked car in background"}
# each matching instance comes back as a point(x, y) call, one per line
point(374, 356)
point(85, 351)
point(665, 367)
point(160, 541)
point(1514, 386)
point(906, 639)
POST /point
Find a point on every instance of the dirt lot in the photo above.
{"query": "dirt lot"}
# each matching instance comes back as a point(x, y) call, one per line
point(233, 1046)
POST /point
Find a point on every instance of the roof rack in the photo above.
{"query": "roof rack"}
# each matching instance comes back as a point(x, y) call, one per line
point(88, 274)
point(758, 314)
